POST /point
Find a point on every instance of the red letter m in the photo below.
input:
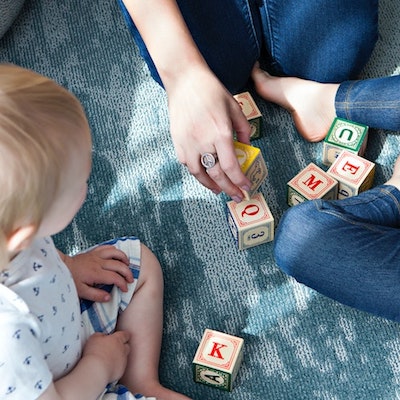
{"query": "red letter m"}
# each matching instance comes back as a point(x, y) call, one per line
point(312, 183)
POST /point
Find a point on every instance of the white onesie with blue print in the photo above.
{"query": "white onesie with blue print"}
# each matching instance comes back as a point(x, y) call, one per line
point(42, 341)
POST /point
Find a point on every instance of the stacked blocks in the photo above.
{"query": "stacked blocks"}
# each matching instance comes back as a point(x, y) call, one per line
point(218, 359)
point(252, 164)
point(311, 183)
point(251, 112)
point(353, 173)
point(344, 135)
point(251, 222)
point(349, 173)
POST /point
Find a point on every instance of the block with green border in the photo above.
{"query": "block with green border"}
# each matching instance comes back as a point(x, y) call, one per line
point(218, 359)
point(344, 135)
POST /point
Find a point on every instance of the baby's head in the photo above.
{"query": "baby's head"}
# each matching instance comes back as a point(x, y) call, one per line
point(45, 158)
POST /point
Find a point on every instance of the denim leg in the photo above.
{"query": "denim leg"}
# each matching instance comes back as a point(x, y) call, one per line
point(373, 102)
point(227, 32)
point(348, 250)
point(326, 41)
point(139, 42)
point(322, 40)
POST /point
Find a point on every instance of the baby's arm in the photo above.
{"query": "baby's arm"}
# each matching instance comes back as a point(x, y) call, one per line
point(101, 265)
point(103, 361)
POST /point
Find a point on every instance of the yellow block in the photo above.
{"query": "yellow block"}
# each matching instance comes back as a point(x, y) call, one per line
point(252, 164)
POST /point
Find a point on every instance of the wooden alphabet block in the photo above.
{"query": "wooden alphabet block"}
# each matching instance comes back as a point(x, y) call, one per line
point(311, 183)
point(252, 164)
point(353, 173)
point(250, 221)
point(251, 112)
point(218, 359)
point(344, 135)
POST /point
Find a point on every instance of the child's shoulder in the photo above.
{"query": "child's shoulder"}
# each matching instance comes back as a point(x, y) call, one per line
point(11, 302)
point(15, 315)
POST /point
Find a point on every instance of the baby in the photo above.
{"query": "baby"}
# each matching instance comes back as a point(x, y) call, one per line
point(52, 346)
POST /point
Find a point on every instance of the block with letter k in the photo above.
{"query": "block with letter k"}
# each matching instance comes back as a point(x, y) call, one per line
point(217, 359)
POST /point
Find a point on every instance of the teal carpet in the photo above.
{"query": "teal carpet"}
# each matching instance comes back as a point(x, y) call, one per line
point(298, 344)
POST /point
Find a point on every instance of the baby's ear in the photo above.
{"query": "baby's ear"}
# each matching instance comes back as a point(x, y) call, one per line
point(20, 238)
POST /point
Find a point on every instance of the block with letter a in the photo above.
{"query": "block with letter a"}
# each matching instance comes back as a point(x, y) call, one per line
point(218, 359)
point(353, 173)
point(309, 184)
point(250, 221)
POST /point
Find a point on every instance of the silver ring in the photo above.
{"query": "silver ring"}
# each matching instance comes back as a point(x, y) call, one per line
point(208, 160)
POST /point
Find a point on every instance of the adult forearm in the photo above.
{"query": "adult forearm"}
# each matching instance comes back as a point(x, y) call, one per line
point(166, 36)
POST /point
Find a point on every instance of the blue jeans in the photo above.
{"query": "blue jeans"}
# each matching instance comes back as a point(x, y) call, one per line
point(348, 250)
point(326, 41)
point(373, 102)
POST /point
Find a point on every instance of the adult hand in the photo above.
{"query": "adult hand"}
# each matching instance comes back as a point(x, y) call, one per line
point(203, 116)
point(101, 265)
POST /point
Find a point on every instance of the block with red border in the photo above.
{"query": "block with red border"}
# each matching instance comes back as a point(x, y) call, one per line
point(353, 173)
point(251, 112)
point(218, 359)
point(252, 164)
point(344, 135)
point(311, 183)
point(250, 221)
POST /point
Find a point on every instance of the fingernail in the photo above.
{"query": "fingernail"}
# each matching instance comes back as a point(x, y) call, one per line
point(246, 188)
point(237, 199)
point(246, 194)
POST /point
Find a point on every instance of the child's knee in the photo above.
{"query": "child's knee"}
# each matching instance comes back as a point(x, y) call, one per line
point(150, 268)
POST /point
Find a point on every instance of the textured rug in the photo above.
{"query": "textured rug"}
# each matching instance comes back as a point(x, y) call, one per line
point(298, 344)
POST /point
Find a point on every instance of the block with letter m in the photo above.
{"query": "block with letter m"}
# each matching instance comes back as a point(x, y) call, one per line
point(309, 184)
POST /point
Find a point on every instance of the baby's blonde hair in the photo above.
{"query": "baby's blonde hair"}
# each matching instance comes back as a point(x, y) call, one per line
point(40, 124)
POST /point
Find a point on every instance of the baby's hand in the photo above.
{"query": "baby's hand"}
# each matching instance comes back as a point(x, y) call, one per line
point(102, 265)
point(111, 350)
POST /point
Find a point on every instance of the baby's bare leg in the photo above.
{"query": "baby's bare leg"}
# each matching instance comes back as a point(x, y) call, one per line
point(143, 318)
point(311, 104)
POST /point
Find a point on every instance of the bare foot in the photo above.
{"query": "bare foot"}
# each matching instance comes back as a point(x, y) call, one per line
point(311, 104)
point(395, 179)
